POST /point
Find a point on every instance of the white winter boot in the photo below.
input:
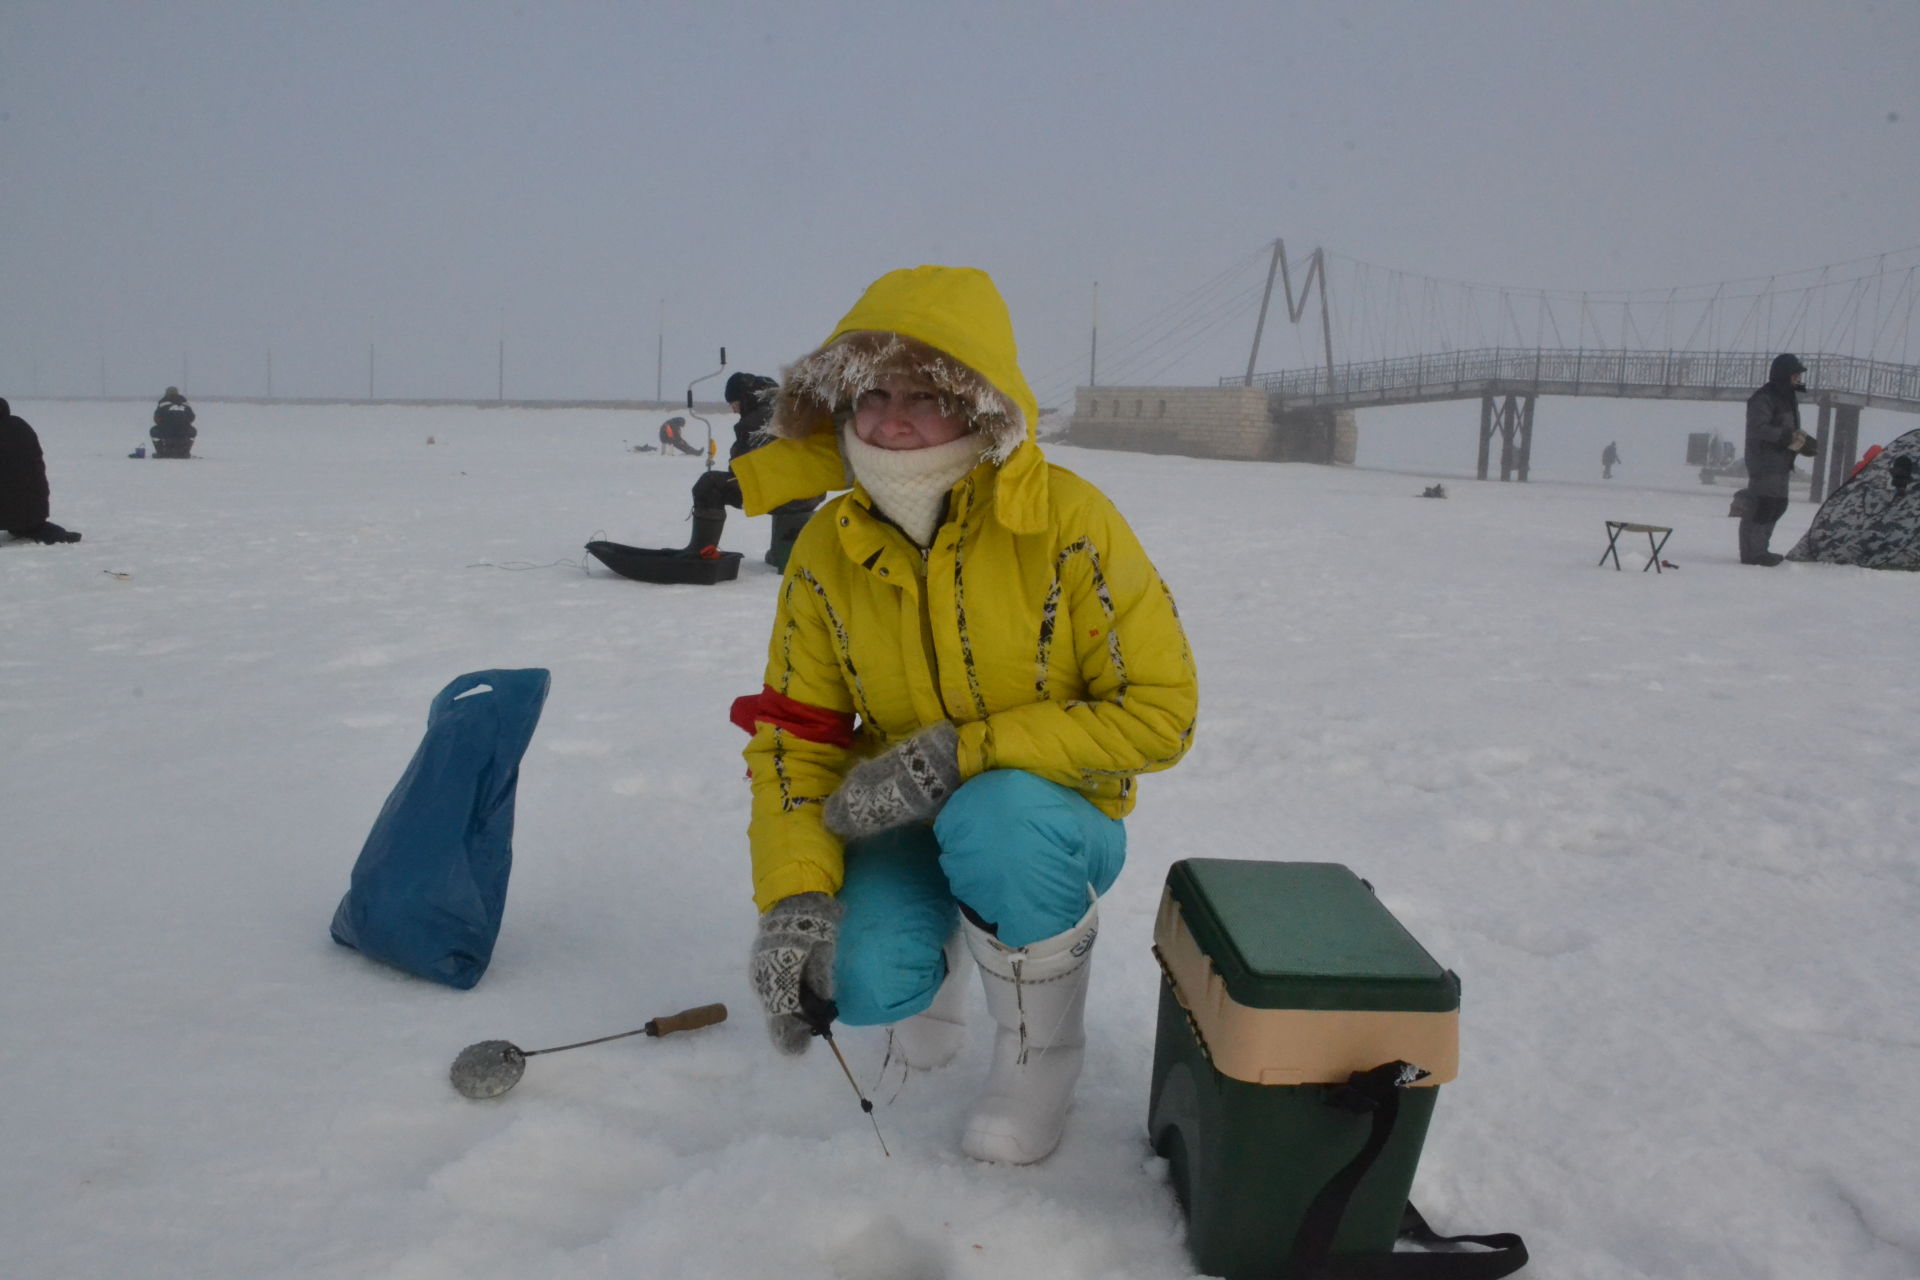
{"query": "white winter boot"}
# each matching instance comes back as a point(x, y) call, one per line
point(931, 1037)
point(1037, 995)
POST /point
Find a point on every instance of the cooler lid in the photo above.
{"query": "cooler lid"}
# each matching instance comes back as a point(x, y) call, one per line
point(1305, 935)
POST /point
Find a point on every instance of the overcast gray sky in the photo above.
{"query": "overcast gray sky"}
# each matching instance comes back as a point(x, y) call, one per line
point(186, 185)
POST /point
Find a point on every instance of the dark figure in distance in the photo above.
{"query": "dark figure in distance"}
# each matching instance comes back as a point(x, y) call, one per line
point(673, 434)
point(1609, 459)
point(173, 429)
point(1773, 439)
point(23, 483)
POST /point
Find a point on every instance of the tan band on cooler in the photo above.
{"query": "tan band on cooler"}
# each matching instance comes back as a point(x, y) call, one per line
point(1295, 1046)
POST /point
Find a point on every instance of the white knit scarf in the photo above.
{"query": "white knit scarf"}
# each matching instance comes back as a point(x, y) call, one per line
point(910, 485)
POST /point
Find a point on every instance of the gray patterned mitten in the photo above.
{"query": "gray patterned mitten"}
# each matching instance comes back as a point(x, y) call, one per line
point(905, 783)
point(794, 948)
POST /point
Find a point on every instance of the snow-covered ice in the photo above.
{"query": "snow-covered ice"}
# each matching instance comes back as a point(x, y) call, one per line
point(1664, 826)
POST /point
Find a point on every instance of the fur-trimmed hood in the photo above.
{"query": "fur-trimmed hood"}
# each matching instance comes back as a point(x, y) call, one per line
point(820, 387)
point(947, 324)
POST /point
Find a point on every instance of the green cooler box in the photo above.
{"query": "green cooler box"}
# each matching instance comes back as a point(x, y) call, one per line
point(1282, 979)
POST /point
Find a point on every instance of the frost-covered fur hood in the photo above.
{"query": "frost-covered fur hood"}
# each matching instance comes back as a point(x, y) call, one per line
point(820, 388)
point(947, 324)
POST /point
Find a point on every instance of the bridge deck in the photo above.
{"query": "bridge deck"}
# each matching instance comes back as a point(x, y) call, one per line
point(1635, 375)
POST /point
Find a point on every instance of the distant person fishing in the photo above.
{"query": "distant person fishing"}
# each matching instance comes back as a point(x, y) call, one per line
point(750, 395)
point(173, 431)
point(673, 435)
point(24, 493)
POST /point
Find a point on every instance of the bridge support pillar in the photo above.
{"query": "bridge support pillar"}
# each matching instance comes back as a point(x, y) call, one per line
point(1846, 444)
point(1526, 436)
point(1823, 439)
point(1486, 433)
point(1513, 419)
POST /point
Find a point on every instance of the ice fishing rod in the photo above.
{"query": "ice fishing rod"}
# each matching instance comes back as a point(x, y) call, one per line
point(489, 1068)
point(819, 1014)
point(690, 411)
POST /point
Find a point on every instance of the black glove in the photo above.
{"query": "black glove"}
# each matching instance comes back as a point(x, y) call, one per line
point(906, 783)
point(792, 967)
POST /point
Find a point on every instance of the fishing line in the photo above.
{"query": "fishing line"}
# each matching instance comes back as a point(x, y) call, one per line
point(520, 565)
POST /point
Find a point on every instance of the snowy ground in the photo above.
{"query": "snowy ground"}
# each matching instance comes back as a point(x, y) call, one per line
point(1665, 828)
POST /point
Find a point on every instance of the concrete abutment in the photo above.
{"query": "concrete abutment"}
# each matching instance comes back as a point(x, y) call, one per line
point(1240, 423)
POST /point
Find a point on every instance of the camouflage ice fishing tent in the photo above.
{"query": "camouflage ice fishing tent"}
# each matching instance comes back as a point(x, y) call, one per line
point(1873, 520)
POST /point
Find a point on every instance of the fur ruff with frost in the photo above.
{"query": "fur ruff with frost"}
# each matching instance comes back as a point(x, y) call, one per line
point(817, 390)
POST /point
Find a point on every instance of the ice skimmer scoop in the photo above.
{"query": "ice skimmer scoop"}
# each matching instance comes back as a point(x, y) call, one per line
point(491, 1067)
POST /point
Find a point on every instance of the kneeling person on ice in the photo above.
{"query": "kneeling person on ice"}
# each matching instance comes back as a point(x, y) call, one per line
point(972, 661)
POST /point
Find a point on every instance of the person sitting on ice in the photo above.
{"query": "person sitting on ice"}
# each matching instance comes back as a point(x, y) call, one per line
point(24, 494)
point(172, 429)
point(972, 661)
point(750, 395)
point(673, 435)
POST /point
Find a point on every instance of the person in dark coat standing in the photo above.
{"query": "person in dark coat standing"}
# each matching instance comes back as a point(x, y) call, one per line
point(173, 430)
point(1773, 439)
point(24, 493)
point(751, 396)
point(1609, 459)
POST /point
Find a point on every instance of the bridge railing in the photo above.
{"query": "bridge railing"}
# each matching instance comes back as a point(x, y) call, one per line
point(1574, 370)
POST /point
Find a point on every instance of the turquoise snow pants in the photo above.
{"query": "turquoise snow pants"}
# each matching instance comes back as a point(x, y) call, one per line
point(1020, 851)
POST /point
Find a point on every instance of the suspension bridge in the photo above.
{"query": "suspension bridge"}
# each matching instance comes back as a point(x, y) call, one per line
point(1413, 339)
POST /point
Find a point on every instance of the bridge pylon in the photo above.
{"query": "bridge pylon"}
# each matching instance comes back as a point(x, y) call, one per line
point(1512, 418)
point(1837, 447)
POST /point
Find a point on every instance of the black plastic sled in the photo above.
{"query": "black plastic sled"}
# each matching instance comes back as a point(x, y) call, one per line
point(666, 564)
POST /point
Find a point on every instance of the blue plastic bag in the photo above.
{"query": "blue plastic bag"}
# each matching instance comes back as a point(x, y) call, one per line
point(430, 885)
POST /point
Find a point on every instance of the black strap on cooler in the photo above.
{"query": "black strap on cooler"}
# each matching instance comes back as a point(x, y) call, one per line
point(1378, 1092)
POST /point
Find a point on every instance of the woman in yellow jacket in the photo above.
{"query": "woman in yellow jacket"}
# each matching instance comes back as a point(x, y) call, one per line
point(971, 663)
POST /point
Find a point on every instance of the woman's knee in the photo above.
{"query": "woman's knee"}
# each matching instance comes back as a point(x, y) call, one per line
point(886, 970)
point(888, 962)
point(1021, 852)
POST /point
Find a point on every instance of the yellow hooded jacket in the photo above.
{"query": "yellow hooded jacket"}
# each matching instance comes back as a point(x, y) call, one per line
point(1034, 621)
